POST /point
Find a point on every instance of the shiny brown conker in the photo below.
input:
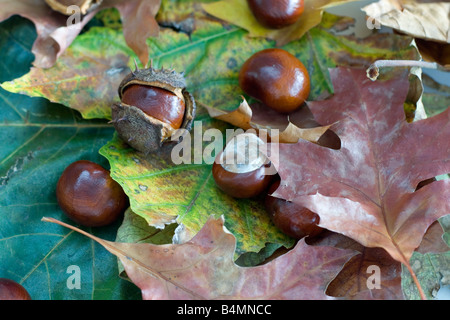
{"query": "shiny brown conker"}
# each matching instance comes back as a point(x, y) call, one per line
point(276, 78)
point(293, 220)
point(241, 180)
point(241, 185)
point(276, 14)
point(156, 102)
point(12, 290)
point(89, 196)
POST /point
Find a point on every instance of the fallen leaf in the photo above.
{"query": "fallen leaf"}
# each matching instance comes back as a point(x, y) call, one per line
point(88, 85)
point(366, 190)
point(83, 5)
point(237, 12)
point(57, 31)
point(31, 252)
point(275, 126)
point(139, 23)
point(433, 51)
point(372, 274)
point(433, 240)
point(54, 36)
point(429, 21)
point(203, 268)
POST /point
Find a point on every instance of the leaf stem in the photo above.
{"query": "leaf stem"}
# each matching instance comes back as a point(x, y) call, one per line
point(122, 256)
point(416, 281)
point(374, 70)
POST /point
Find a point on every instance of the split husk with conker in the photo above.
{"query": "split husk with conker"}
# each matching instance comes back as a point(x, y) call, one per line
point(142, 131)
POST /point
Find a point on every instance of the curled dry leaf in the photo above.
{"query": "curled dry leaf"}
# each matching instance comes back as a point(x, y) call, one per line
point(433, 51)
point(366, 190)
point(63, 6)
point(261, 118)
point(203, 268)
point(429, 21)
point(53, 34)
point(433, 241)
point(56, 31)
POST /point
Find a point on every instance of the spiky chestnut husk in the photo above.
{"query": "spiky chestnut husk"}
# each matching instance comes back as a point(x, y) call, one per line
point(84, 5)
point(144, 132)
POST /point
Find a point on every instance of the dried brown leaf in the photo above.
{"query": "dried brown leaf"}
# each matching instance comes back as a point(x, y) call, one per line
point(429, 21)
point(366, 190)
point(53, 34)
point(259, 117)
point(203, 268)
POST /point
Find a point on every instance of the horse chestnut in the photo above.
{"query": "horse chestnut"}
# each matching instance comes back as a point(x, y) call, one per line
point(88, 195)
point(239, 174)
point(276, 14)
point(292, 219)
point(276, 78)
point(11, 290)
point(154, 104)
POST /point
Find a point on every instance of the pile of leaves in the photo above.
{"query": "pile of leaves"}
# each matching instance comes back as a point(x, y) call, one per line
point(182, 238)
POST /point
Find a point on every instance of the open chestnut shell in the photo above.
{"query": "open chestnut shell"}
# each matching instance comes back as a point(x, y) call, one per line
point(154, 107)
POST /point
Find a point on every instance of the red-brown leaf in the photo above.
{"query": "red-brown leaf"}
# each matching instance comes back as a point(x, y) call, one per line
point(203, 268)
point(366, 190)
point(139, 23)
